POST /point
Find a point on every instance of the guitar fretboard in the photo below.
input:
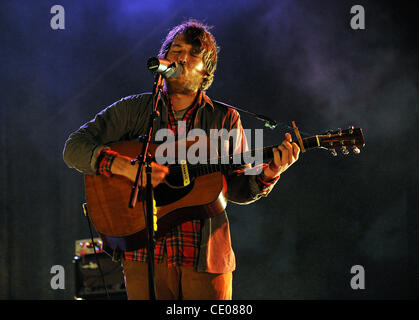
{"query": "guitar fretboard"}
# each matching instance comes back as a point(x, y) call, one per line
point(237, 161)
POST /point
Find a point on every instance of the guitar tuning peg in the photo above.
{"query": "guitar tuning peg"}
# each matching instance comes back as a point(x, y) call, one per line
point(356, 150)
point(333, 152)
point(345, 150)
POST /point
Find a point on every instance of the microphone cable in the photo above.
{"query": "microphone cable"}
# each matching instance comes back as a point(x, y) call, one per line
point(86, 213)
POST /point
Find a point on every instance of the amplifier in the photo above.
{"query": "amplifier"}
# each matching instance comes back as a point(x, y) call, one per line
point(89, 282)
point(85, 246)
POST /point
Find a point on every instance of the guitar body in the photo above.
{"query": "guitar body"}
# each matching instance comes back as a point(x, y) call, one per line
point(125, 229)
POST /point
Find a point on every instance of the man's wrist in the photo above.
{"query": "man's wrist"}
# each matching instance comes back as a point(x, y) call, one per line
point(268, 175)
point(105, 162)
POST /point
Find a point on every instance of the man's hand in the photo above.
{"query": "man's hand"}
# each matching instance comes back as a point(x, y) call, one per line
point(122, 166)
point(284, 159)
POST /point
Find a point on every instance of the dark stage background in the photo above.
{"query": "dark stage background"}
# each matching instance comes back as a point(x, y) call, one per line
point(290, 60)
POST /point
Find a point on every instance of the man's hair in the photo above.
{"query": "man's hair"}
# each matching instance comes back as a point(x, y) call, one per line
point(198, 35)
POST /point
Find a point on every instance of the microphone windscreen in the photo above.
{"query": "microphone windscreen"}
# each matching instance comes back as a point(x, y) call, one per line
point(153, 63)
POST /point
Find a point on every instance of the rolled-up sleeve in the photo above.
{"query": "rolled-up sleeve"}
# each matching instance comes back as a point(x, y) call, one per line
point(84, 145)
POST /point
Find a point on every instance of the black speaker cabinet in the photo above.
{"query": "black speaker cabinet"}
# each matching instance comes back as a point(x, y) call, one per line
point(89, 280)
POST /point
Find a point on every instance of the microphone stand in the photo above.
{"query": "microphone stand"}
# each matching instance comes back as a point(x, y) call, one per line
point(144, 159)
point(269, 123)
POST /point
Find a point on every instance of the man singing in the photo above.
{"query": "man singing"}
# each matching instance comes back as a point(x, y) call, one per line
point(194, 260)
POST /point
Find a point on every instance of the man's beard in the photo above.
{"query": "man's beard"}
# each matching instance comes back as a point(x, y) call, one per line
point(183, 86)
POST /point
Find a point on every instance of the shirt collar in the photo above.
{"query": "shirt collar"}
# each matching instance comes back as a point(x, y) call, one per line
point(207, 100)
point(201, 100)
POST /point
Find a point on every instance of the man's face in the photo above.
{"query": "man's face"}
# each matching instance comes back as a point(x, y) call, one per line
point(193, 67)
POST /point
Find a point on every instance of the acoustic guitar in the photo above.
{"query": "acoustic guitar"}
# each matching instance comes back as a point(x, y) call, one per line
point(189, 191)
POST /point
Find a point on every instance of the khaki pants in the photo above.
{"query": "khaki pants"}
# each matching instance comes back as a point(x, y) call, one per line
point(175, 283)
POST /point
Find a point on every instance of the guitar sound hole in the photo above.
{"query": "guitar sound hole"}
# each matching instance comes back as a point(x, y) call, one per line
point(165, 194)
point(174, 178)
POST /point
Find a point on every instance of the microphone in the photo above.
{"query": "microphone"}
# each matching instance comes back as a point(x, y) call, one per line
point(166, 68)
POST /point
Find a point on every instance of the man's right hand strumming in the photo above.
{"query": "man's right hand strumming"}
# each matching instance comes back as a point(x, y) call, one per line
point(122, 166)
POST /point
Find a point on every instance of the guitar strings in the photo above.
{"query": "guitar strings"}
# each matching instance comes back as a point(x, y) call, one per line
point(224, 161)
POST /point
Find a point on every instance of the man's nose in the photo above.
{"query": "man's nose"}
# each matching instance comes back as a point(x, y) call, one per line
point(183, 58)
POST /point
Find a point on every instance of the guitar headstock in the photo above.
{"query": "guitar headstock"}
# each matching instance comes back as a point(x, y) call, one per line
point(351, 138)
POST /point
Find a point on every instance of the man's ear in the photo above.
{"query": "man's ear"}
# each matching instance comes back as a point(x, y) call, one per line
point(204, 78)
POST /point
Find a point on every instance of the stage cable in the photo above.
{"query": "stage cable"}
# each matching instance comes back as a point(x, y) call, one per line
point(86, 213)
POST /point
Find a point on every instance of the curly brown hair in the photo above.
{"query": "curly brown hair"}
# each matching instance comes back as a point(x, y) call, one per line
point(196, 34)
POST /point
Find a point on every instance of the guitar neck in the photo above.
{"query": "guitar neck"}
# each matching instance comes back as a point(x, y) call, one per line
point(240, 160)
point(308, 143)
